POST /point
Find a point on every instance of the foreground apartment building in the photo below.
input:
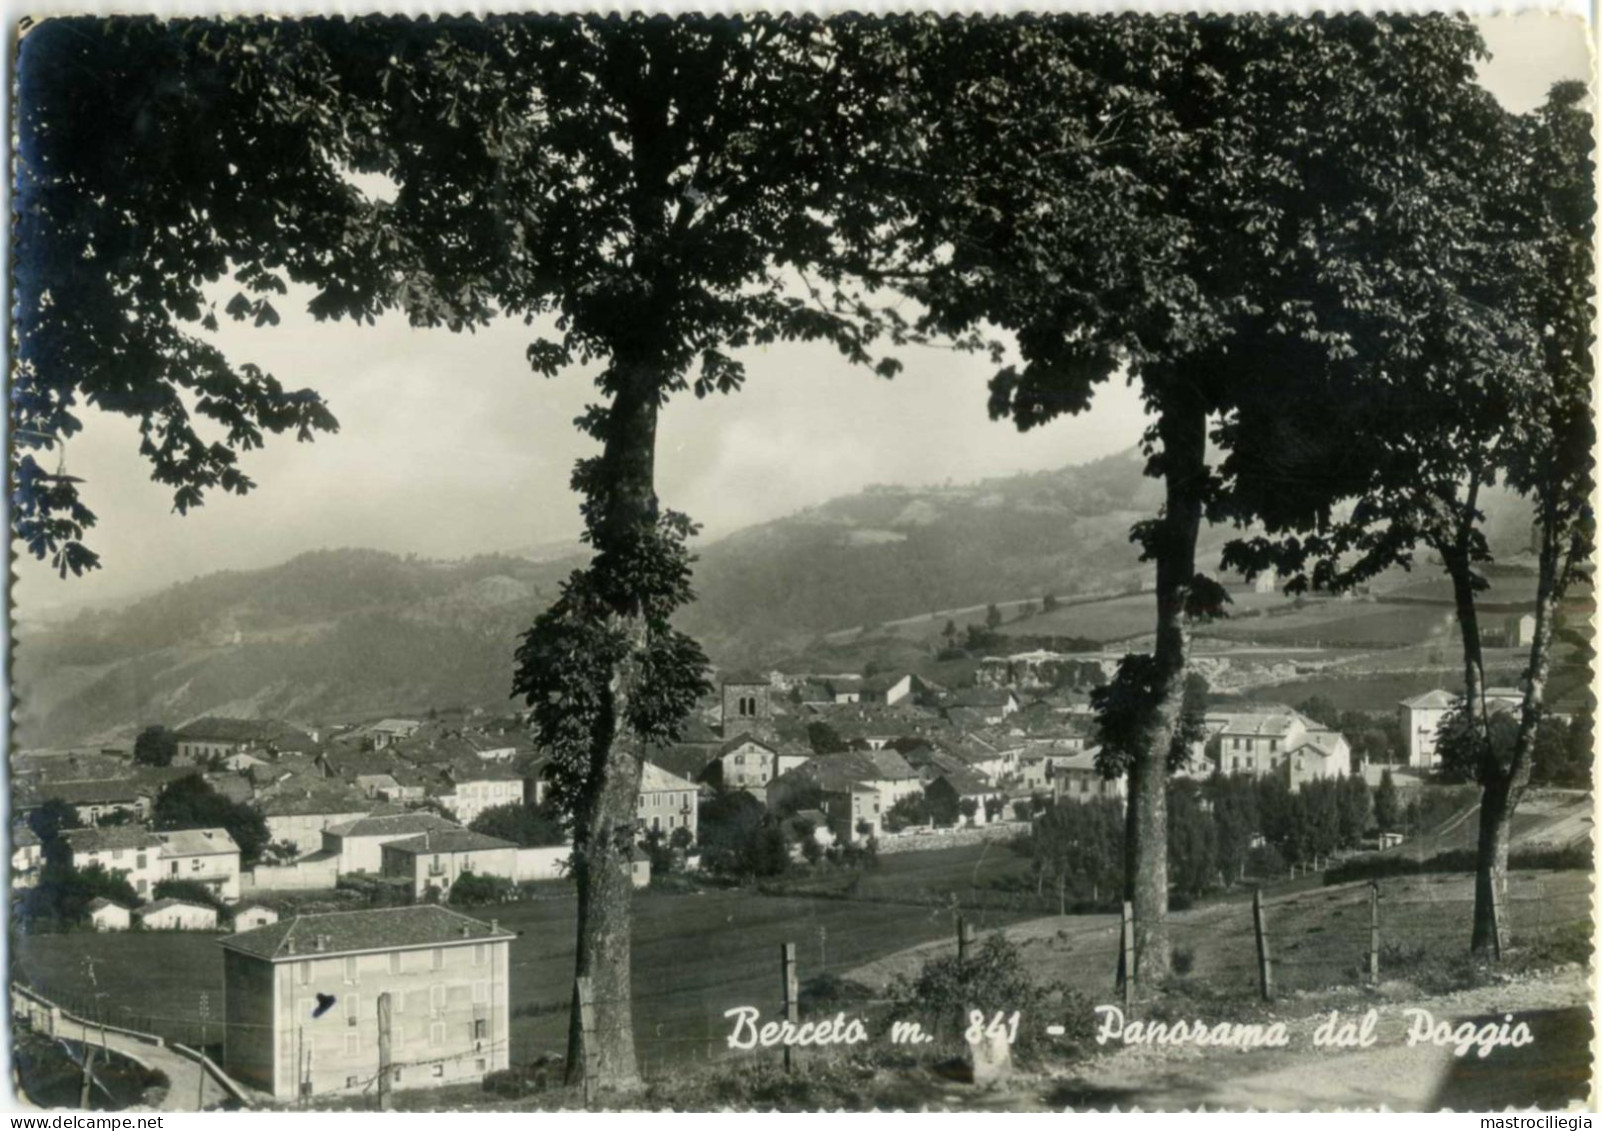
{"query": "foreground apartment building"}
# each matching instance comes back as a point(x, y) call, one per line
point(301, 1000)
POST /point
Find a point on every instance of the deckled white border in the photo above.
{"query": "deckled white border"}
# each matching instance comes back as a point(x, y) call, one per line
point(14, 10)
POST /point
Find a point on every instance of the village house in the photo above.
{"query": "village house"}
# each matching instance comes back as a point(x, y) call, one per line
point(1324, 754)
point(952, 787)
point(745, 762)
point(386, 731)
point(473, 787)
point(1420, 718)
point(437, 859)
point(96, 800)
point(253, 916)
point(205, 856)
point(993, 704)
point(298, 816)
point(1074, 777)
point(209, 738)
point(26, 857)
point(845, 688)
point(666, 801)
point(890, 688)
point(176, 915)
point(358, 844)
point(119, 848)
point(444, 974)
point(857, 787)
point(105, 915)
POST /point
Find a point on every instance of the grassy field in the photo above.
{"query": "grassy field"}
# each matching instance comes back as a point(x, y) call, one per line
point(695, 955)
point(1379, 691)
point(1319, 935)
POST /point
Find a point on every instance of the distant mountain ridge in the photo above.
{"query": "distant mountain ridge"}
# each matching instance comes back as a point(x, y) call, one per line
point(354, 633)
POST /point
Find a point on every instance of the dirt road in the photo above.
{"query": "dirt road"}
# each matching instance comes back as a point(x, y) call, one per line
point(184, 1075)
point(1553, 1072)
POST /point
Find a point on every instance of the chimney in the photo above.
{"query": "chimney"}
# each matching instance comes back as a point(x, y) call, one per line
point(289, 944)
point(465, 930)
point(495, 924)
point(321, 943)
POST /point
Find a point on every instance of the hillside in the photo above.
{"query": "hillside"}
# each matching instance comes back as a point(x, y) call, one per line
point(357, 633)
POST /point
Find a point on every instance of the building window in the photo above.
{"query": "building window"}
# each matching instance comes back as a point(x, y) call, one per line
point(350, 971)
point(436, 997)
point(439, 961)
point(397, 1075)
point(116, 854)
point(439, 1070)
point(305, 973)
point(140, 887)
point(436, 1035)
point(352, 1009)
point(480, 1064)
point(480, 992)
point(394, 962)
point(352, 1044)
point(480, 954)
point(142, 860)
point(480, 1029)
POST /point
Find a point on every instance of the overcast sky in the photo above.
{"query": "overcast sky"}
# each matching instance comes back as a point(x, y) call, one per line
point(450, 446)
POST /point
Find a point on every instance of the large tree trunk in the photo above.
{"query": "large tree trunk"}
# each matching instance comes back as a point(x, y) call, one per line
point(1468, 623)
point(604, 836)
point(1184, 435)
point(1500, 797)
point(1490, 869)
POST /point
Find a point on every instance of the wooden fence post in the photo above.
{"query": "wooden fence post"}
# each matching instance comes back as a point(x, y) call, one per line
point(965, 939)
point(1126, 952)
point(581, 987)
point(792, 997)
point(1265, 964)
point(1373, 934)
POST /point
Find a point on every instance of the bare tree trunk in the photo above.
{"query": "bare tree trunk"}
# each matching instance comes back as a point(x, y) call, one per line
point(1184, 436)
point(604, 834)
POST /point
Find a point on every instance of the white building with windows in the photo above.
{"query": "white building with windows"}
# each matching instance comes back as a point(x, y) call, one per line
point(119, 848)
point(444, 975)
point(206, 856)
point(667, 801)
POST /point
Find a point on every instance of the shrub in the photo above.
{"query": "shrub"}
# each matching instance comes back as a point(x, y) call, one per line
point(472, 889)
point(993, 979)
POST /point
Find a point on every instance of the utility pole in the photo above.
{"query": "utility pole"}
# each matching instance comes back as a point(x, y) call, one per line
point(383, 1051)
point(205, 1014)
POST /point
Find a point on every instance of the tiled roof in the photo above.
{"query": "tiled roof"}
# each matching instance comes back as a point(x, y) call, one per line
point(100, 903)
point(345, 932)
point(744, 678)
point(476, 769)
point(980, 697)
point(399, 824)
point(654, 779)
point(448, 840)
point(110, 837)
point(1261, 725)
point(308, 801)
point(966, 782)
point(22, 837)
point(90, 792)
point(1436, 700)
point(197, 842)
point(163, 904)
point(741, 740)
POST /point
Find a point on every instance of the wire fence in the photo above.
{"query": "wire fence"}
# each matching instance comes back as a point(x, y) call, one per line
point(1315, 938)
